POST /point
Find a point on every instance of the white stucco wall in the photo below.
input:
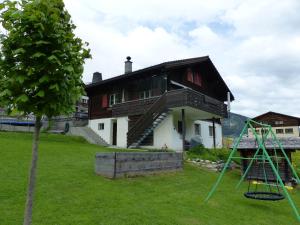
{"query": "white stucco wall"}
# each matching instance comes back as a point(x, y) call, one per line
point(206, 138)
point(294, 134)
point(165, 134)
point(106, 134)
point(122, 129)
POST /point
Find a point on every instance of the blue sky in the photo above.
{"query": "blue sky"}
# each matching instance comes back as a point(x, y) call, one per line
point(255, 45)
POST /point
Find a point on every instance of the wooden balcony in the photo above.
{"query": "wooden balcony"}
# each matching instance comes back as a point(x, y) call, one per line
point(174, 98)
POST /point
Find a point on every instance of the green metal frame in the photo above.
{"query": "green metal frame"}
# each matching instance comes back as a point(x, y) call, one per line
point(265, 155)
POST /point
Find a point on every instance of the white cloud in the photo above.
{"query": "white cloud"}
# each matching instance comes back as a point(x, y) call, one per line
point(255, 45)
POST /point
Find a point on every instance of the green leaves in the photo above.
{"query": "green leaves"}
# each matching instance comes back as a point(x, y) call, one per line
point(53, 58)
point(41, 93)
point(20, 79)
point(41, 59)
point(19, 51)
point(38, 54)
point(54, 87)
point(23, 98)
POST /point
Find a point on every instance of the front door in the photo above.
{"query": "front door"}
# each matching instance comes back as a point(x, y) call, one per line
point(114, 141)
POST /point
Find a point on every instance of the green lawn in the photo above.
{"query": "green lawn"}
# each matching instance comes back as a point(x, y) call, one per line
point(69, 193)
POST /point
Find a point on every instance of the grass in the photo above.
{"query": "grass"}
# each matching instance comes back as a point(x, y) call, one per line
point(69, 193)
point(296, 161)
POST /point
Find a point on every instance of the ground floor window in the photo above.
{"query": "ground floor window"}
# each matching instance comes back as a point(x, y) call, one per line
point(211, 131)
point(197, 128)
point(289, 131)
point(100, 126)
point(279, 131)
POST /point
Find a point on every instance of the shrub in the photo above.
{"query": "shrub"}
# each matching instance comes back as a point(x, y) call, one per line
point(210, 154)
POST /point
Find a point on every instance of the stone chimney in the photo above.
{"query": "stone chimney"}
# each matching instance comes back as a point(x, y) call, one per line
point(128, 65)
point(97, 77)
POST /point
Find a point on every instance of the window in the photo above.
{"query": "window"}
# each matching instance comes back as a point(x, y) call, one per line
point(198, 79)
point(100, 126)
point(279, 131)
point(145, 94)
point(115, 98)
point(190, 76)
point(278, 122)
point(194, 77)
point(197, 129)
point(179, 127)
point(211, 131)
point(289, 130)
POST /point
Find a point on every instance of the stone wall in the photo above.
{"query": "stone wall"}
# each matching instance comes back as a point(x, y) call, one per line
point(126, 164)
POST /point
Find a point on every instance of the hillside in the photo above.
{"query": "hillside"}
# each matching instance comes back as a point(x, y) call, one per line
point(233, 125)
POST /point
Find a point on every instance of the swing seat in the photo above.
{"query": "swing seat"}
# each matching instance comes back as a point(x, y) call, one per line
point(263, 195)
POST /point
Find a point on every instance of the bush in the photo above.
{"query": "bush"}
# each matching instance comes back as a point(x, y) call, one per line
point(209, 154)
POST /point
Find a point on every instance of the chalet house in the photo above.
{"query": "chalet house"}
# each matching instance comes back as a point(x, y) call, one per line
point(286, 129)
point(162, 106)
point(284, 126)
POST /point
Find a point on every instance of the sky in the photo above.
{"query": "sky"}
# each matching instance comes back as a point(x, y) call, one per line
point(254, 44)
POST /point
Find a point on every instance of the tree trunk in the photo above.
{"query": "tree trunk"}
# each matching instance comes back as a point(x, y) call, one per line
point(32, 173)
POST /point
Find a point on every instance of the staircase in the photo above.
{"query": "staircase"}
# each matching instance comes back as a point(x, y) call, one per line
point(88, 134)
point(147, 122)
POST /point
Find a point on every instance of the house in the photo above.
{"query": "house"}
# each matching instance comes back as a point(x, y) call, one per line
point(247, 148)
point(283, 125)
point(161, 106)
point(286, 129)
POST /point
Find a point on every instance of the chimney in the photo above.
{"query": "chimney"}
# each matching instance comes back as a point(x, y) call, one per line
point(97, 77)
point(128, 65)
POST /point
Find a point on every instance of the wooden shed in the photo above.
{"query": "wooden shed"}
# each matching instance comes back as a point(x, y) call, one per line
point(247, 149)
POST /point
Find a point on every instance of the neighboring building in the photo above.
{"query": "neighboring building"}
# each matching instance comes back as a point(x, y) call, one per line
point(81, 108)
point(161, 106)
point(283, 125)
point(247, 148)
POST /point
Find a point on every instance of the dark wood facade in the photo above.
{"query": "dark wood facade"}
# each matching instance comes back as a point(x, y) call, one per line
point(277, 119)
point(135, 92)
point(257, 170)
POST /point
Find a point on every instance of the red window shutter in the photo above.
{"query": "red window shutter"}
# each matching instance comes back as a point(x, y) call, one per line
point(190, 76)
point(198, 79)
point(104, 101)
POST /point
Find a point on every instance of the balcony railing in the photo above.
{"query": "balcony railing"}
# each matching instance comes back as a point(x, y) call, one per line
point(174, 98)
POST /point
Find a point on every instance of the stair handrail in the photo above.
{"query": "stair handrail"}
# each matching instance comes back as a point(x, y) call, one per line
point(146, 119)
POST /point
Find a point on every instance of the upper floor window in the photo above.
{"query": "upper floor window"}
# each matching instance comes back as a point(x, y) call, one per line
point(278, 122)
point(145, 94)
point(194, 77)
point(289, 130)
point(115, 98)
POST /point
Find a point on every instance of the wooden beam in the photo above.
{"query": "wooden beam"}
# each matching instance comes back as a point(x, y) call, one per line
point(214, 132)
point(183, 128)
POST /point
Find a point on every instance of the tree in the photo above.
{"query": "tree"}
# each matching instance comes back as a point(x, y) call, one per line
point(41, 66)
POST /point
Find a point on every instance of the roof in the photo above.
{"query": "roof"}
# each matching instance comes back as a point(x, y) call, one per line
point(291, 143)
point(275, 113)
point(162, 66)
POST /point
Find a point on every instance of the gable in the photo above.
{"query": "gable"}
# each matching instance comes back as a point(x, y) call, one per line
point(277, 119)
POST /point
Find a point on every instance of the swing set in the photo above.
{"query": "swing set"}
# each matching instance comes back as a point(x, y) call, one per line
point(266, 166)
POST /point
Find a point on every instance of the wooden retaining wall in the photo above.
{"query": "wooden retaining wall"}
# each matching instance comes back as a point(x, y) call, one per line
point(126, 164)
